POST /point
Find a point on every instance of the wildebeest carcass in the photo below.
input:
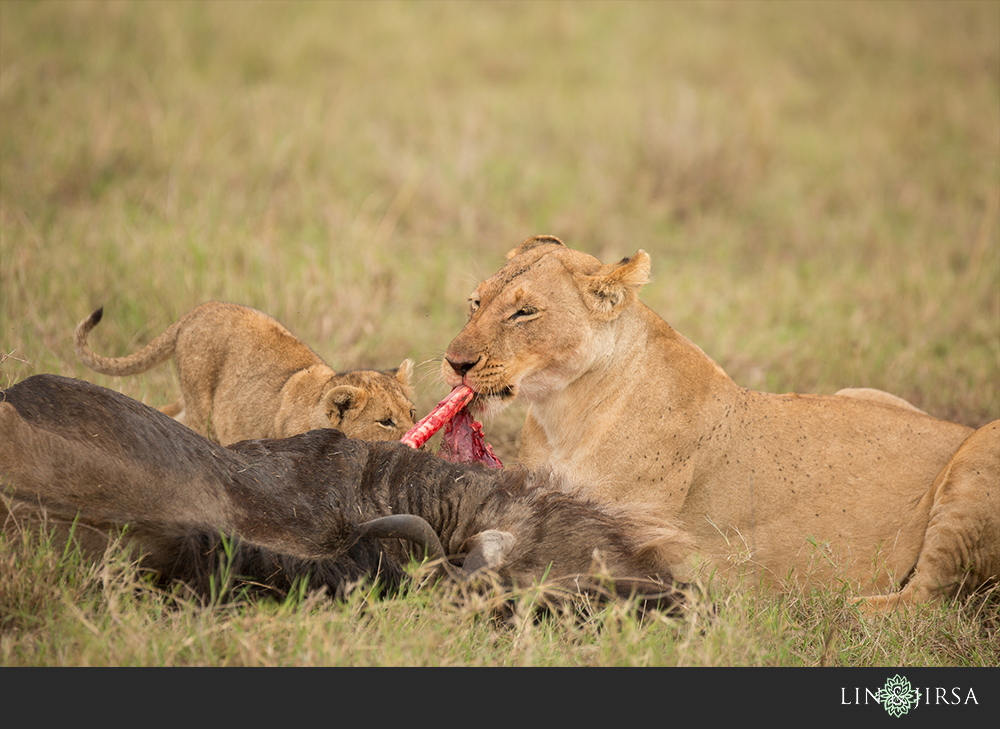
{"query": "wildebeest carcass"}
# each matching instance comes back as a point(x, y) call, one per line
point(317, 504)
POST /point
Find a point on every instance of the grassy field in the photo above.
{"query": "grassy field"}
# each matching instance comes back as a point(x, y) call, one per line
point(818, 185)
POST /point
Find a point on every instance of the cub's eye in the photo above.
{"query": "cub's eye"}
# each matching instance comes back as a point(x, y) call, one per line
point(387, 422)
point(413, 415)
point(523, 314)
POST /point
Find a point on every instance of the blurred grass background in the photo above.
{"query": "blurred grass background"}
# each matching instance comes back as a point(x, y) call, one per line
point(818, 183)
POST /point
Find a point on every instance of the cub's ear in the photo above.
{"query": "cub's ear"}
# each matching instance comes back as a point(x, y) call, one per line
point(404, 372)
point(529, 243)
point(342, 398)
point(616, 287)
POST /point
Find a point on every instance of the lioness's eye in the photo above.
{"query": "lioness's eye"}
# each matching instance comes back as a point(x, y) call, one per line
point(523, 312)
point(473, 305)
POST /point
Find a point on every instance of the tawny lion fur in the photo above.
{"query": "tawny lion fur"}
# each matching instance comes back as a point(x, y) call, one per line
point(243, 375)
point(859, 486)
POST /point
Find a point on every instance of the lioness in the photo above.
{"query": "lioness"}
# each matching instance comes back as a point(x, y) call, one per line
point(860, 485)
point(243, 375)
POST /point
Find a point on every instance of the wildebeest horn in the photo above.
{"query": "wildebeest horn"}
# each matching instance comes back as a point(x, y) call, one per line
point(414, 529)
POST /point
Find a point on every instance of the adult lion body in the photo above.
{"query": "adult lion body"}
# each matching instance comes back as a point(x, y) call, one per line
point(802, 487)
point(243, 375)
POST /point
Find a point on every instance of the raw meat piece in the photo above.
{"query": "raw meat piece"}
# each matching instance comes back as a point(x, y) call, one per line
point(463, 437)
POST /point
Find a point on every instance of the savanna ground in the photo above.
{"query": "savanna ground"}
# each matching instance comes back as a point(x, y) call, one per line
point(817, 183)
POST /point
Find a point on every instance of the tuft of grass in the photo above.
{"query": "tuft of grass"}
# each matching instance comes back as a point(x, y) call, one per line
point(818, 185)
point(57, 608)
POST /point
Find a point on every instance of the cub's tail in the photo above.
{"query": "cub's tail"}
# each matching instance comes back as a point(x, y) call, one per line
point(156, 352)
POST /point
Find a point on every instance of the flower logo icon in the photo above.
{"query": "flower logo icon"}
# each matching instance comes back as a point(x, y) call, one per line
point(897, 696)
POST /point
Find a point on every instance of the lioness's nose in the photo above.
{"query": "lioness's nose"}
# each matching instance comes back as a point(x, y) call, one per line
point(461, 365)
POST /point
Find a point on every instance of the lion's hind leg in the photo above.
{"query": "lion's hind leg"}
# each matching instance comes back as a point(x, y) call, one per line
point(961, 549)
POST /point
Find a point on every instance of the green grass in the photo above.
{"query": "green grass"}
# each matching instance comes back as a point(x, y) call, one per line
point(818, 185)
point(57, 608)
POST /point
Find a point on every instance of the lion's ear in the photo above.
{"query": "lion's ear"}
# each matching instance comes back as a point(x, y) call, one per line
point(534, 241)
point(343, 398)
point(608, 293)
point(404, 372)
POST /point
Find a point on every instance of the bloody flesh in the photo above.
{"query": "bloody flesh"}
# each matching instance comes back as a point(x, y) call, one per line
point(464, 441)
point(463, 437)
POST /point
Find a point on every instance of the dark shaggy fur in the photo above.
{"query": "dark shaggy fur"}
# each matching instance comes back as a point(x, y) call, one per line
point(70, 449)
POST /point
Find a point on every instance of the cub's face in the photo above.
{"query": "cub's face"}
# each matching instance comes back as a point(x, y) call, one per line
point(371, 404)
point(535, 326)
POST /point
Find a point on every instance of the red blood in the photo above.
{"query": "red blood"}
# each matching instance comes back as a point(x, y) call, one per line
point(463, 437)
point(464, 441)
point(431, 423)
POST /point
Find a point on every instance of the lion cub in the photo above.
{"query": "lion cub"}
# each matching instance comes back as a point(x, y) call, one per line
point(243, 375)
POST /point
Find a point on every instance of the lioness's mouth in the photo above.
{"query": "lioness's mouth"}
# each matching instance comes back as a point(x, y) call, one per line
point(491, 401)
point(504, 393)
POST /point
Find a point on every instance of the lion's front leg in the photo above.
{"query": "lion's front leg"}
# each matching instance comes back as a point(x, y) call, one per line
point(961, 549)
